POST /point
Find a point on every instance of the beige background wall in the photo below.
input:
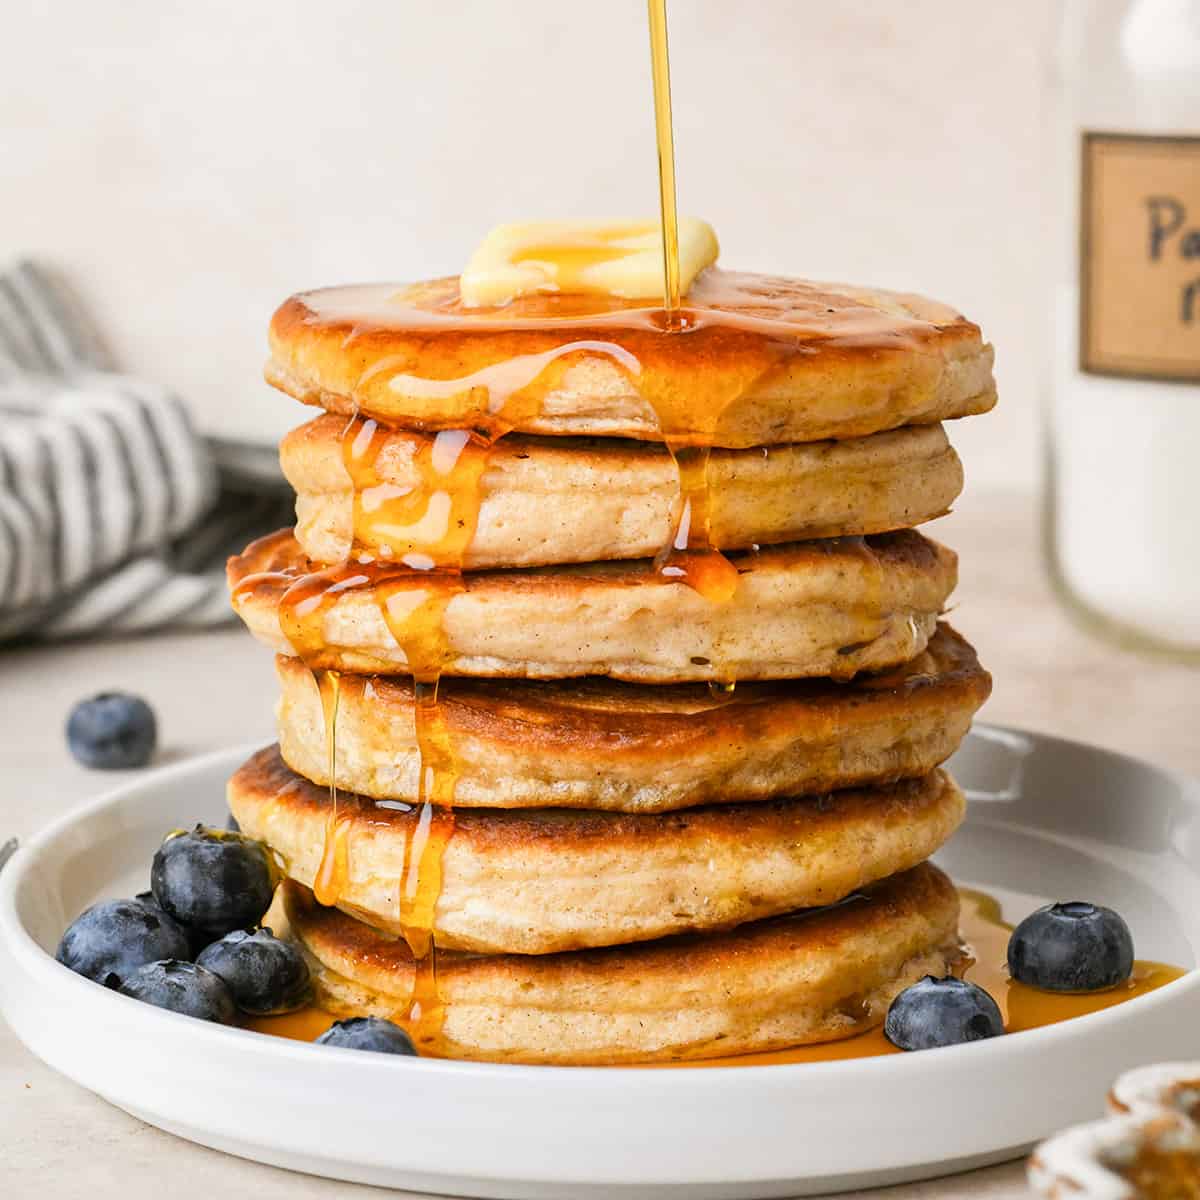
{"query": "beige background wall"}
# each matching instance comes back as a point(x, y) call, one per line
point(191, 164)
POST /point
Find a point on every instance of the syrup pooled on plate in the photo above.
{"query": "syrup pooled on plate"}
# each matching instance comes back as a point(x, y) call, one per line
point(985, 935)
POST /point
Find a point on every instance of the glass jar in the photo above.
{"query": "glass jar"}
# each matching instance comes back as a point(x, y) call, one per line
point(1122, 514)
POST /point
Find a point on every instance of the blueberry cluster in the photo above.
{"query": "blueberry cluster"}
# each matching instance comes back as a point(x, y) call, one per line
point(1072, 947)
point(193, 943)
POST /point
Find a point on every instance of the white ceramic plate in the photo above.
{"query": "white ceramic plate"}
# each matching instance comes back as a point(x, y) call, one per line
point(1048, 819)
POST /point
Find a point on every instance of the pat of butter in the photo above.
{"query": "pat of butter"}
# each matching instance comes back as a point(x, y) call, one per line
point(611, 258)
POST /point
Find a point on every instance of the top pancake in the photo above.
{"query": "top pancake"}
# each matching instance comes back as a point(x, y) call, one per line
point(762, 360)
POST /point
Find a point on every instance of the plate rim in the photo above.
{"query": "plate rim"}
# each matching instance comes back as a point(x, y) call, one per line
point(20, 944)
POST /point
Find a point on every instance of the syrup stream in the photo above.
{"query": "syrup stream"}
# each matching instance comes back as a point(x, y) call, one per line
point(664, 127)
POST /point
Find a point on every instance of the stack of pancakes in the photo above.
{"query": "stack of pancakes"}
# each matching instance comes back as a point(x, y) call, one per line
point(614, 691)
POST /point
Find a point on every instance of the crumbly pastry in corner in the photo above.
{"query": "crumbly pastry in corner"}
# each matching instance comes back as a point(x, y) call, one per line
point(1149, 1149)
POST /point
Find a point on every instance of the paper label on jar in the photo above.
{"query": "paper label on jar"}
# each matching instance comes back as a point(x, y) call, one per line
point(1139, 312)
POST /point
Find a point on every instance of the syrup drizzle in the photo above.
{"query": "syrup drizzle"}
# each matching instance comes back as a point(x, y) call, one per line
point(690, 556)
point(419, 629)
point(423, 532)
point(423, 527)
point(332, 871)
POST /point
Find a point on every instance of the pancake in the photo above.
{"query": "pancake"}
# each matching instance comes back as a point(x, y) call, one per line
point(809, 977)
point(599, 744)
point(830, 608)
point(568, 500)
point(538, 881)
point(763, 361)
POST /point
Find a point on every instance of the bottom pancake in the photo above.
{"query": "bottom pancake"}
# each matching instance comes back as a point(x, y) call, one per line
point(813, 976)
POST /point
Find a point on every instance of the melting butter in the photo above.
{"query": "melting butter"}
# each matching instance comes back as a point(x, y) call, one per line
point(611, 258)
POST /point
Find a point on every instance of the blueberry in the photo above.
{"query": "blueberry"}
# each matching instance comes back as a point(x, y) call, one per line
point(112, 731)
point(182, 987)
point(264, 974)
point(1073, 947)
point(212, 880)
point(109, 941)
point(197, 939)
point(941, 1012)
point(368, 1033)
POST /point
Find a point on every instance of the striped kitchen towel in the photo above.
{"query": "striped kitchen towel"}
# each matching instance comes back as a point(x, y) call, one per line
point(111, 517)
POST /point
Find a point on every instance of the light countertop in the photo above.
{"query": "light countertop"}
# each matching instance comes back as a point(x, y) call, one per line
point(211, 690)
